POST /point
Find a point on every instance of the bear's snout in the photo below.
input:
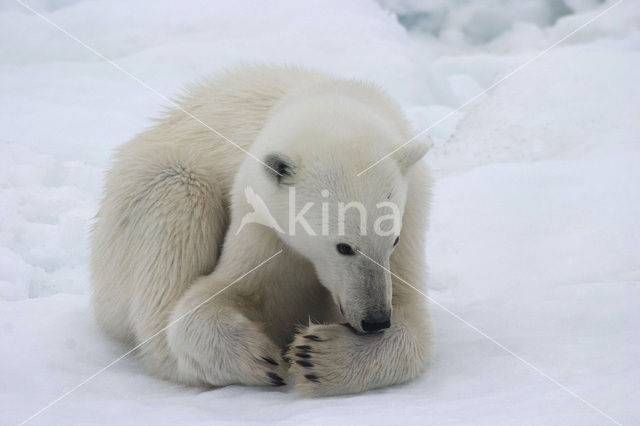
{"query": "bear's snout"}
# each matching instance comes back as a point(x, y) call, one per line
point(376, 321)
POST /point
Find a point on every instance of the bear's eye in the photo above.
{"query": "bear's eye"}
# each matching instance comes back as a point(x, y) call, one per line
point(395, 243)
point(345, 249)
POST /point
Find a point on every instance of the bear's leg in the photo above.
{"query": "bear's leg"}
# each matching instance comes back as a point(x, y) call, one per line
point(214, 341)
point(159, 228)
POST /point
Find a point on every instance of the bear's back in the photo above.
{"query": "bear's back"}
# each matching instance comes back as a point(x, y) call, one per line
point(210, 130)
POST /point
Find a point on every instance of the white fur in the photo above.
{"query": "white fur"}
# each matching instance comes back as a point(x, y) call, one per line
point(165, 238)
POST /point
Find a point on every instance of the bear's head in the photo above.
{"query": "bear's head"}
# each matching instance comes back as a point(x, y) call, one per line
point(347, 225)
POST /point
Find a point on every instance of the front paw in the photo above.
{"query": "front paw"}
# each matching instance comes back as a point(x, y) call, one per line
point(260, 364)
point(332, 360)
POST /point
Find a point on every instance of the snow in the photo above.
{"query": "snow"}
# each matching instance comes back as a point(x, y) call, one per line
point(535, 230)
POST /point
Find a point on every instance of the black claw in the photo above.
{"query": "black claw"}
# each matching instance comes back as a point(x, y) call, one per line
point(313, 337)
point(274, 376)
point(275, 379)
point(311, 377)
point(269, 360)
point(303, 355)
point(304, 363)
point(306, 348)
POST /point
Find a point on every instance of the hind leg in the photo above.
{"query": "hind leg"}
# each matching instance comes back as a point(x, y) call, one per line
point(112, 314)
point(159, 228)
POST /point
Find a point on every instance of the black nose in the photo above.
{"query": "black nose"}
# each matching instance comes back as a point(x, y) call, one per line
point(376, 323)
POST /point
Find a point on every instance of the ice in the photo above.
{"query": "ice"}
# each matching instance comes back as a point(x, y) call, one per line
point(535, 229)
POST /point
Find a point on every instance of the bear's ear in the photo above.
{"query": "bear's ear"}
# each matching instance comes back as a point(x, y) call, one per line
point(409, 154)
point(280, 168)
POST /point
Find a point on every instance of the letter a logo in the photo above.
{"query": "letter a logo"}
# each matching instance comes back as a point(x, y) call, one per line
point(260, 213)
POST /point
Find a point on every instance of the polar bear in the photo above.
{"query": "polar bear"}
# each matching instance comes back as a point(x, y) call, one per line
point(323, 300)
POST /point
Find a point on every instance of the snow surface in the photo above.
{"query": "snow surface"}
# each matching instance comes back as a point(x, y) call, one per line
point(535, 228)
